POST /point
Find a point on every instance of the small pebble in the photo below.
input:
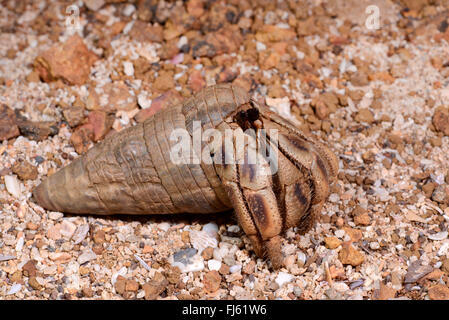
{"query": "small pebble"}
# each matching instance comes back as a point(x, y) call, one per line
point(283, 278)
point(214, 264)
point(86, 257)
point(235, 268)
point(211, 229)
point(13, 186)
point(200, 240)
point(80, 233)
point(164, 226)
point(55, 215)
point(355, 284)
point(188, 261)
point(14, 288)
point(438, 236)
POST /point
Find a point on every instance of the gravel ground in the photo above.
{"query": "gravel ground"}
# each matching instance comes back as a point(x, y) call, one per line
point(375, 90)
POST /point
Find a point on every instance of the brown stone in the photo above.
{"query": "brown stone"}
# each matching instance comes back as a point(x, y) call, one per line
point(212, 281)
point(207, 253)
point(415, 5)
point(436, 274)
point(164, 82)
point(332, 242)
point(173, 275)
point(145, 32)
point(29, 269)
point(359, 79)
point(70, 61)
point(226, 40)
point(120, 285)
point(445, 266)
point(101, 123)
point(144, 9)
point(155, 287)
point(82, 138)
point(364, 115)
point(349, 255)
point(439, 292)
point(73, 115)
point(250, 267)
point(273, 33)
point(132, 285)
point(99, 237)
point(34, 283)
point(8, 125)
point(195, 8)
point(441, 194)
point(88, 292)
point(325, 104)
point(33, 76)
point(386, 292)
point(16, 277)
point(382, 76)
point(428, 188)
point(25, 170)
point(362, 219)
point(441, 120)
point(196, 81)
point(354, 234)
point(54, 232)
point(224, 269)
point(185, 237)
point(37, 130)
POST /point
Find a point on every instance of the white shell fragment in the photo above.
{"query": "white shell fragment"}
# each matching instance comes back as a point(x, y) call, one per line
point(200, 240)
point(283, 278)
point(438, 236)
point(13, 186)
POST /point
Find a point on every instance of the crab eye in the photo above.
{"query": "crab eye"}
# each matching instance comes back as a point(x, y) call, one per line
point(252, 114)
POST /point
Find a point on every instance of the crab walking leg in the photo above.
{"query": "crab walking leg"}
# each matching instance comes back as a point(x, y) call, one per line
point(303, 154)
point(330, 160)
point(255, 176)
point(250, 183)
point(229, 175)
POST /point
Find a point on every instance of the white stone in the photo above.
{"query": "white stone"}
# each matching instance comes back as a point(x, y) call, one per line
point(19, 244)
point(214, 265)
point(234, 229)
point(211, 228)
point(128, 68)
point(142, 100)
point(196, 264)
point(13, 186)
point(129, 10)
point(182, 41)
point(283, 277)
point(438, 236)
point(341, 287)
point(80, 233)
point(301, 259)
point(55, 215)
point(67, 229)
point(164, 226)
point(340, 233)
point(86, 256)
point(235, 268)
point(14, 288)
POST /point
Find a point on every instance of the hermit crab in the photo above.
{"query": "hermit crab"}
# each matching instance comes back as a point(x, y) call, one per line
point(247, 158)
